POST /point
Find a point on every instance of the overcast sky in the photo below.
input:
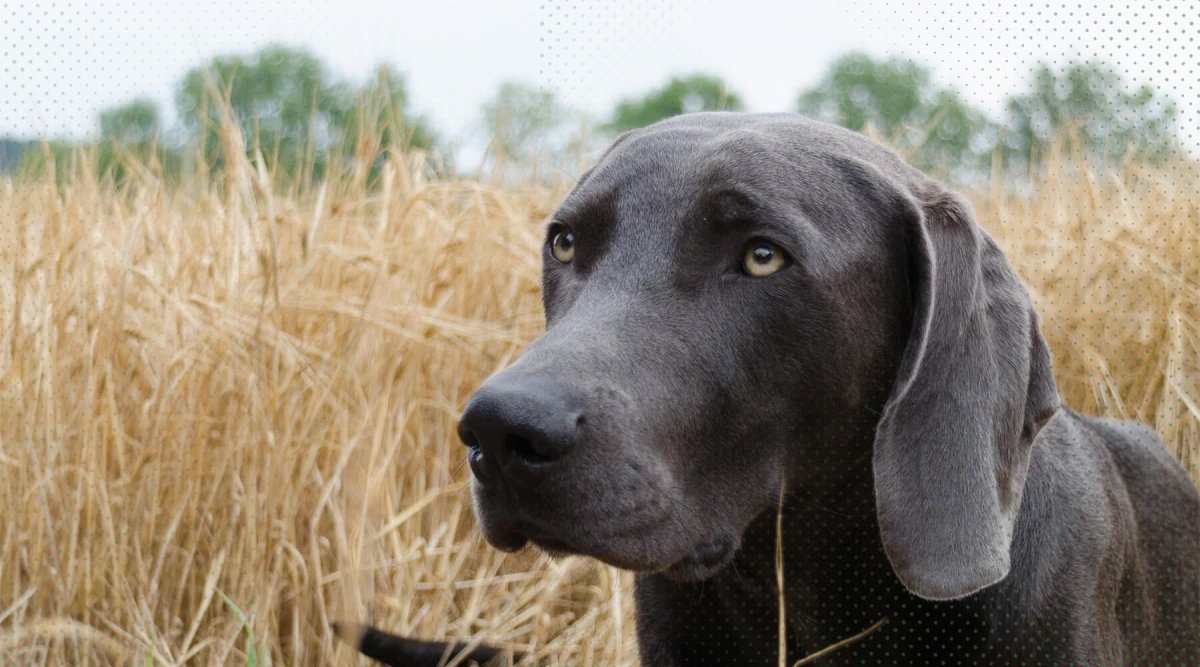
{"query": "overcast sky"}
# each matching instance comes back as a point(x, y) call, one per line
point(62, 61)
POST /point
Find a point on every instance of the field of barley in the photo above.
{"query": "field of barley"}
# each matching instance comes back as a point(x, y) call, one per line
point(227, 404)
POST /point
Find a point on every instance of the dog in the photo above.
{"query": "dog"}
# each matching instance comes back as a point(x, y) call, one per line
point(766, 332)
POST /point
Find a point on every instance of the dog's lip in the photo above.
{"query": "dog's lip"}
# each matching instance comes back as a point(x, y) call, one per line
point(513, 535)
point(701, 562)
point(547, 538)
point(704, 561)
point(513, 532)
point(553, 545)
point(506, 537)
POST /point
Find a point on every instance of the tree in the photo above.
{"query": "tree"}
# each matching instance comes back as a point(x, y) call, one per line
point(380, 117)
point(521, 118)
point(934, 128)
point(289, 105)
point(528, 126)
point(130, 131)
point(696, 92)
point(280, 96)
point(1091, 99)
point(133, 123)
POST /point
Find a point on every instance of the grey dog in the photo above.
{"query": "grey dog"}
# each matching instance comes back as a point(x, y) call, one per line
point(747, 308)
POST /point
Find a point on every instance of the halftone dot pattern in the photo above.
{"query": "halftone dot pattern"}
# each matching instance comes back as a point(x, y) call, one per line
point(569, 54)
point(40, 41)
point(996, 44)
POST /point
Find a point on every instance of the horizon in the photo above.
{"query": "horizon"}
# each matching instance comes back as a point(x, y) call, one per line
point(586, 57)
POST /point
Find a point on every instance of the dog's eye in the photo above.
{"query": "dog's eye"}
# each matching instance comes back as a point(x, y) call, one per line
point(562, 245)
point(762, 259)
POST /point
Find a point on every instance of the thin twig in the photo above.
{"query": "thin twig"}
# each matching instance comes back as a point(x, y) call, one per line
point(839, 645)
point(779, 577)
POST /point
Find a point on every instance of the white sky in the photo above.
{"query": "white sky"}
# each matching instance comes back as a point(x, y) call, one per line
point(63, 61)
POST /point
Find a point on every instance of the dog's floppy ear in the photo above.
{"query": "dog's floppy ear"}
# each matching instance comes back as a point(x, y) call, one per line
point(975, 385)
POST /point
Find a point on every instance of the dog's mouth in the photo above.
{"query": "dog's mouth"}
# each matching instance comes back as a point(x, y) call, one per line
point(506, 538)
point(703, 561)
point(661, 545)
point(555, 547)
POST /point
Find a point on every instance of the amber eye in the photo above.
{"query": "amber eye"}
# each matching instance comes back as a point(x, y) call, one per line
point(762, 259)
point(562, 245)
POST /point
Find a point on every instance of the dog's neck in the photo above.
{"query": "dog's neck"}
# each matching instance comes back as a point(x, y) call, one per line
point(831, 551)
point(830, 509)
point(832, 466)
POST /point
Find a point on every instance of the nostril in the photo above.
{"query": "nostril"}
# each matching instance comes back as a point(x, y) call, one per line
point(470, 440)
point(524, 449)
point(475, 456)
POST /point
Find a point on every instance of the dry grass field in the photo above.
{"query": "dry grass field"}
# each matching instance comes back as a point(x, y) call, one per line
point(227, 406)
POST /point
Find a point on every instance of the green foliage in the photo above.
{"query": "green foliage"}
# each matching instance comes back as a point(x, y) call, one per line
point(696, 92)
point(1091, 99)
point(288, 105)
point(934, 128)
point(379, 117)
point(133, 123)
point(940, 133)
point(521, 117)
point(280, 96)
point(129, 134)
point(300, 116)
point(256, 656)
point(54, 156)
point(529, 128)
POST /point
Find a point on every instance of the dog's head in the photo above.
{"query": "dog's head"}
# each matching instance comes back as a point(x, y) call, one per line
point(736, 303)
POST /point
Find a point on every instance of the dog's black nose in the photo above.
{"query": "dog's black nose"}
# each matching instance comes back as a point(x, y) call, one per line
point(519, 424)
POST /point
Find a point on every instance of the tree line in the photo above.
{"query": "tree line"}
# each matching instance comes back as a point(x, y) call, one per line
point(301, 117)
